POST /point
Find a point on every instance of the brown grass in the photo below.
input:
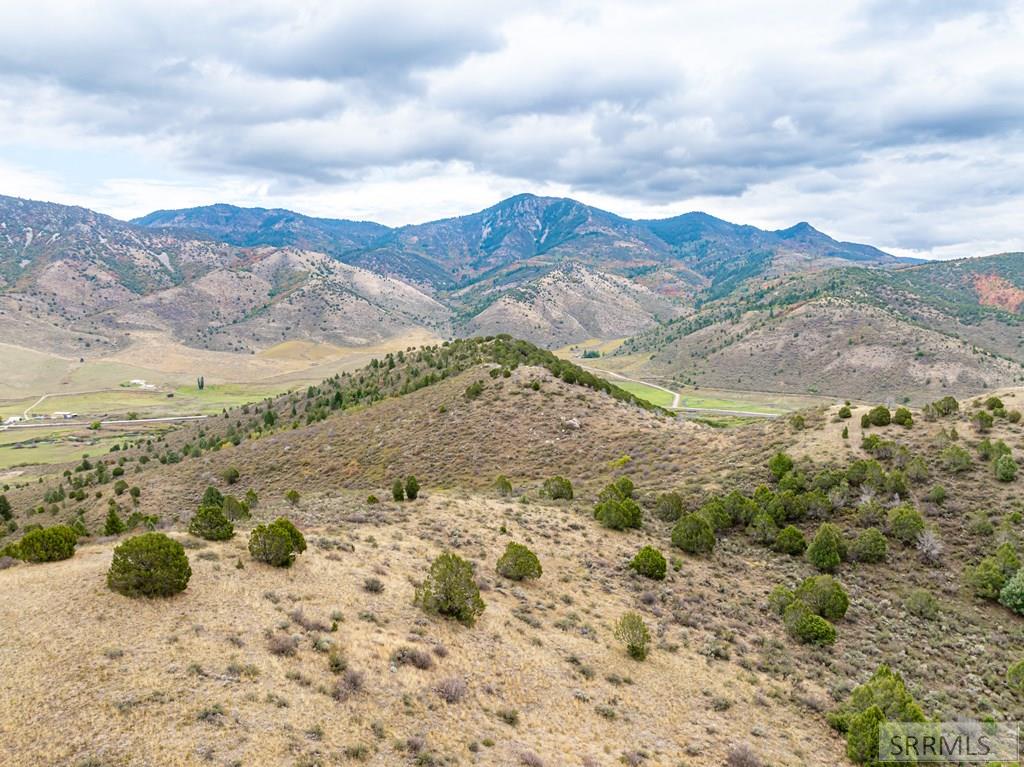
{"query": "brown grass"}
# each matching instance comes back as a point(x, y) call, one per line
point(542, 674)
point(174, 692)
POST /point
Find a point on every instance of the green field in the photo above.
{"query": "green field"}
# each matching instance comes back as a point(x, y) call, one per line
point(148, 403)
point(650, 393)
point(720, 402)
point(40, 446)
point(215, 397)
point(44, 446)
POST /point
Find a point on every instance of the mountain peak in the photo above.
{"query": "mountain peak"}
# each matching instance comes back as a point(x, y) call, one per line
point(797, 230)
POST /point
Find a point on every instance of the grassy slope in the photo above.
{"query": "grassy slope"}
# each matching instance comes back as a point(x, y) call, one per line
point(149, 670)
point(713, 608)
point(848, 333)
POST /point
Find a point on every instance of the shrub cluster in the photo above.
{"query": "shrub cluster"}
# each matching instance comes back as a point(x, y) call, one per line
point(780, 465)
point(632, 632)
point(903, 417)
point(668, 507)
point(804, 626)
point(650, 563)
point(955, 459)
point(988, 577)
point(879, 416)
point(1005, 468)
point(276, 544)
point(693, 534)
point(407, 490)
point(1012, 593)
point(235, 509)
point(824, 595)
point(616, 509)
point(503, 486)
point(1015, 676)
point(46, 544)
point(412, 488)
point(113, 524)
point(807, 611)
point(870, 546)
point(790, 541)
point(921, 604)
point(557, 488)
point(211, 523)
point(450, 590)
point(828, 548)
point(149, 565)
point(518, 562)
point(941, 408)
point(905, 524)
point(882, 698)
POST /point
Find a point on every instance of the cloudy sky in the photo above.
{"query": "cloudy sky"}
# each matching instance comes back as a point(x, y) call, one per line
point(894, 122)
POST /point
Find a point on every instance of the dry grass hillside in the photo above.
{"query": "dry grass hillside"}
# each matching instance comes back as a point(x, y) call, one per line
point(237, 670)
point(437, 432)
point(573, 303)
point(539, 679)
point(833, 347)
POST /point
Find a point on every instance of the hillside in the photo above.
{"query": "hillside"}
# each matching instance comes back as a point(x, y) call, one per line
point(247, 227)
point(915, 333)
point(77, 282)
point(238, 666)
point(574, 302)
point(728, 254)
point(238, 279)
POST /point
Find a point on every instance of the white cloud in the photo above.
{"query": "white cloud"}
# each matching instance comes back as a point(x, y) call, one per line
point(895, 124)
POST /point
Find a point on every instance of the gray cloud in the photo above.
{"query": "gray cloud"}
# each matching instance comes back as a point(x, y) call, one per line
point(652, 105)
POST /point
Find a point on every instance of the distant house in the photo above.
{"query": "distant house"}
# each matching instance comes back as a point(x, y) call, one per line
point(65, 414)
point(12, 419)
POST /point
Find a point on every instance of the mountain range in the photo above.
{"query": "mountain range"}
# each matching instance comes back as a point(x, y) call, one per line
point(690, 251)
point(700, 300)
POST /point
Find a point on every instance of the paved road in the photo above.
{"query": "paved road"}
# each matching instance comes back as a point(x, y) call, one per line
point(676, 396)
point(60, 423)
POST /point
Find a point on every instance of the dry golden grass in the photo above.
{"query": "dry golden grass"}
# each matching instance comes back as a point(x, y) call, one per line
point(722, 671)
point(88, 674)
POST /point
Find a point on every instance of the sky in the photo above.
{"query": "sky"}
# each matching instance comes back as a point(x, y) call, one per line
point(894, 122)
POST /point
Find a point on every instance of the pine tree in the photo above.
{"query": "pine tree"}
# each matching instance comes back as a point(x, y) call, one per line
point(412, 488)
point(114, 525)
point(209, 522)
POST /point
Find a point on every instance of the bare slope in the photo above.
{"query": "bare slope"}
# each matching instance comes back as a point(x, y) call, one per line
point(573, 303)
